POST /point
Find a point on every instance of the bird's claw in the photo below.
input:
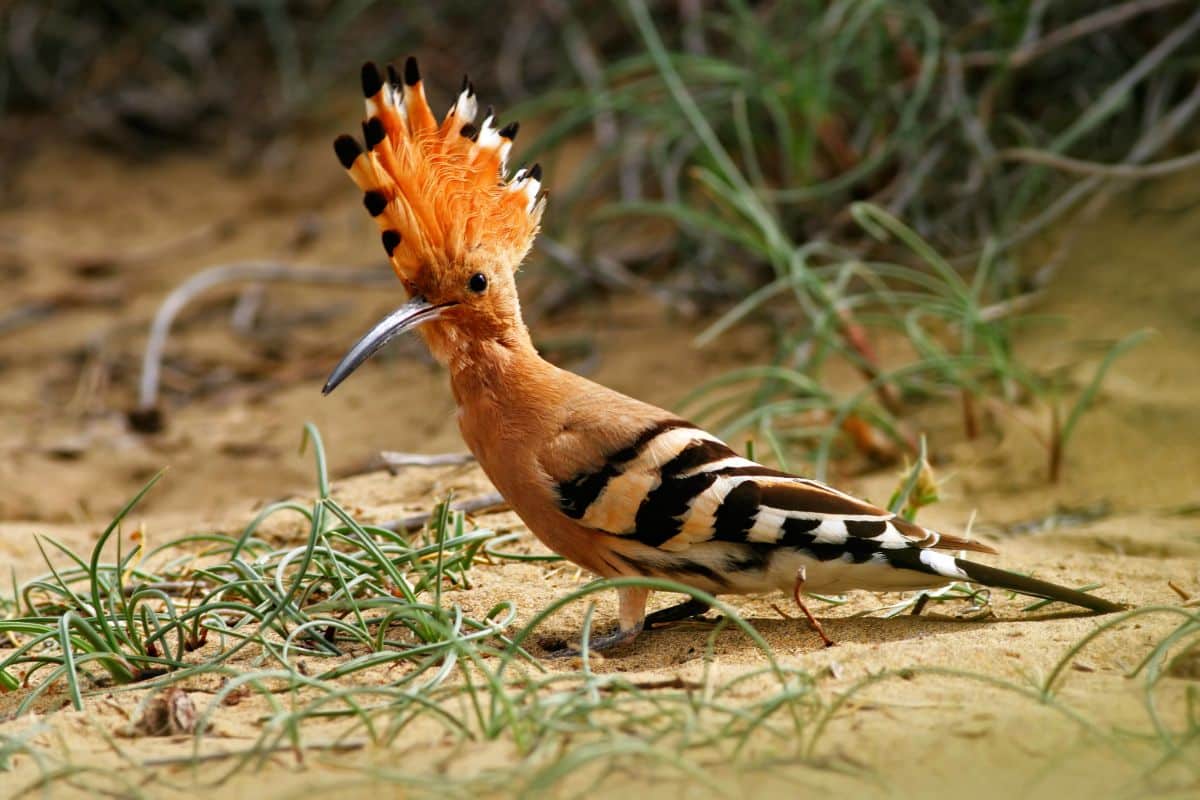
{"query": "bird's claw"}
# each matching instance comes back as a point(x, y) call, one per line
point(597, 643)
point(689, 609)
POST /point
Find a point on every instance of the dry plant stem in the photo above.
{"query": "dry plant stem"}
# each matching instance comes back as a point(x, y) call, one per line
point(1179, 590)
point(906, 54)
point(836, 140)
point(1150, 143)
point(970, 418)
point(691, 13)
point(266, 271)
point(493, 501)
point(587, 64)
point(394, 460)
point(612, 274)
point(35, 310)
point(1085, 26)
point(816, 625)
point(662, 683)
point(1093, 168)
point(189, 241)
point(1146, 146)
point(856, 337)
point(204, 758)
point(510, 66)
point(184, 588)
point(245, 310)
point(26, 315)
point(1006, 308)
point(1054, 469)
point(876, 445)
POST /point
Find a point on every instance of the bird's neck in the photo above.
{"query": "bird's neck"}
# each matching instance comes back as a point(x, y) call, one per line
point(488, 374)
point(509, 401)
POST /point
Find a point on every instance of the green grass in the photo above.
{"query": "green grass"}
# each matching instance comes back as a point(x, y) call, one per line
point(812, 162)
point(808, 162)
point(784, 153)
point(351, 599)
point(349, 588)
point(353, 637)
point(758, 130)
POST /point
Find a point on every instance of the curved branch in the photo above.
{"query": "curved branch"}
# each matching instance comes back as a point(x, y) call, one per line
point(1097, 169)
point(259, 271)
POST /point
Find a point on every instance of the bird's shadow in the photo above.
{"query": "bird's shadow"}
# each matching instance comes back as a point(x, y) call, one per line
point(686, 639)
point(796, 635)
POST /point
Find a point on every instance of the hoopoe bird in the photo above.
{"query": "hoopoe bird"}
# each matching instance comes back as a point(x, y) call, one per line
point(615, 485)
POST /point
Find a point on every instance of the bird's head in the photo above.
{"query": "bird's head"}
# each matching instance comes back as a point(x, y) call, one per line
point(454, 224)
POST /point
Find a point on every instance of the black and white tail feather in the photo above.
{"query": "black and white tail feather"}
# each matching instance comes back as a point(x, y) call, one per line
point(681, 504)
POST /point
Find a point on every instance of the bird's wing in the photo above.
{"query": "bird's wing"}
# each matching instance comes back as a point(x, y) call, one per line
point(674, 485)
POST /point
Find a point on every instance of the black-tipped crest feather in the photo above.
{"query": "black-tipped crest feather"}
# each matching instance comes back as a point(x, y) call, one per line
point(375, 202)
point(391, 240)
point(347, 150)
point(373, 132)
point(372, 81)
point(412, 73)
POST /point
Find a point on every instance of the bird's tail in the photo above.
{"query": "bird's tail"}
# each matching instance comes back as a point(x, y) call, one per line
point(1023, 584)
point(933, 563)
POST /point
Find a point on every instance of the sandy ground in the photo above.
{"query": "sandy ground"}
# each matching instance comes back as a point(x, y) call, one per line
point(1126, 508)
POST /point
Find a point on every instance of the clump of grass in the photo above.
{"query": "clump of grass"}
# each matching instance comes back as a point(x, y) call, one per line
point(959, 347)
point(351, 593)
point(785, 144)
point(1060, 433)
point(753, 128)
point(314, 621)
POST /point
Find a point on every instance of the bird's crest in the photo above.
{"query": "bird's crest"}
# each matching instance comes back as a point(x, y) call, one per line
point(439, 191)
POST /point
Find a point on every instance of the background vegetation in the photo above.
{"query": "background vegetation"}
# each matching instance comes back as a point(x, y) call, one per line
point(864, 178)
point(758, 158)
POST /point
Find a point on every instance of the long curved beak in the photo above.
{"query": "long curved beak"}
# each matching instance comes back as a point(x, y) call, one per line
point(412, 314)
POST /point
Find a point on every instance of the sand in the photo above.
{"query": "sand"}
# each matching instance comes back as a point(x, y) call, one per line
point(1124, 514)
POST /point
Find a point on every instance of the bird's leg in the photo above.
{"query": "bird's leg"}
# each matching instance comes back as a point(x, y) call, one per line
point(680, 611)
point(632, 618)
point(800, 576)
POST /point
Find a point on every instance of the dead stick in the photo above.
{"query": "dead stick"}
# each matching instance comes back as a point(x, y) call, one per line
point(229, 273)
point(334, 747)
point(391, 458)
point(1082, 167)
point(492, 501)
point(1084, 26)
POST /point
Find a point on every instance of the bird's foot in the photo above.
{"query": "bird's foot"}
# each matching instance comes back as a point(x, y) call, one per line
point(597, 643)
point(676, 613)
point(813, 621)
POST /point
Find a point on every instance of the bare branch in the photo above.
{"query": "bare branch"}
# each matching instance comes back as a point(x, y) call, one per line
point(1085, 26)
point(267, 271)
point(393, 459)
point(492, 501)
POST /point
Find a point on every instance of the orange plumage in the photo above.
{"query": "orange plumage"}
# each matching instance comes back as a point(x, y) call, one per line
point(441, 189)
point(617, 486)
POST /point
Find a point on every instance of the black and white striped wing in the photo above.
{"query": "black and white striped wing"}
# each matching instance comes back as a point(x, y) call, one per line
point(676, 486)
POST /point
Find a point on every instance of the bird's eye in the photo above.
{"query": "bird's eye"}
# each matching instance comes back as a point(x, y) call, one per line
point(477, 283)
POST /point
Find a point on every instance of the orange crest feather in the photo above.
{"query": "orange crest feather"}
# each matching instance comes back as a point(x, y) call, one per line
point(439, 192)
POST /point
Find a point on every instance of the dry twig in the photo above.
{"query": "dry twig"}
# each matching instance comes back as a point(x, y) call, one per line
point(146, 416)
